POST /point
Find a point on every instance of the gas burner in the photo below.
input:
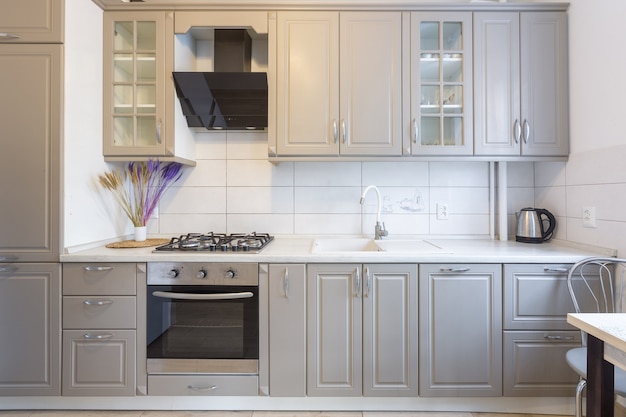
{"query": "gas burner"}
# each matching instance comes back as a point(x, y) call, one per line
point(214, 242)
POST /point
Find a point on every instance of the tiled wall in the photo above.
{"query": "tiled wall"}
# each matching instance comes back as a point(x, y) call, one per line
point(234, 188)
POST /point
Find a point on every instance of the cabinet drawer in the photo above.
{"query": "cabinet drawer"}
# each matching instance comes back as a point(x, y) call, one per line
point(536, 297)
point(99, 362)
point(117, 312)
point(535, 366)
point(99, 279)
point(216, 385)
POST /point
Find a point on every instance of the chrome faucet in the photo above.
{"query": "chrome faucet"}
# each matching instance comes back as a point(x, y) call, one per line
point(379, 229)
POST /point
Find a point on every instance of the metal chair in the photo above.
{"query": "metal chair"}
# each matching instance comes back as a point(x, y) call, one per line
point(596, 286)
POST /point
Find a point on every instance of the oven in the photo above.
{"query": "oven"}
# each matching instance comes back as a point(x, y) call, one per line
point(202, 318)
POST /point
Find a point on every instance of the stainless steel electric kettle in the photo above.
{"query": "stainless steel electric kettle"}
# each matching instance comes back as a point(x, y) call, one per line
point(531, 227)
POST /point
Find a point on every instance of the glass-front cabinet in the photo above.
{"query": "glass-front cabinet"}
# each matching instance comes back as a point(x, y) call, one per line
point(441, 84)
point(134, 80)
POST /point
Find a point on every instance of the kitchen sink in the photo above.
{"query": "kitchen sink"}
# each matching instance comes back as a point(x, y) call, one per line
point(405, 246)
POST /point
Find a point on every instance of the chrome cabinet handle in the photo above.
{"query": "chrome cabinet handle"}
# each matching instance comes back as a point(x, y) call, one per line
point(6, 35)
point(191, 296)
point(517, 131)
point(286, 283)
point(526, 131)
point(548, 269)
point(8, 269)
point(91, 336)
point(335, 131)
point(454, 269)
point(97, 302)
point(343, 131)
point(368, 283)
point(158, 131)
point(415, 130)
point(202, 389)
point(8, 258)
point(98, 268)
point(357, 283)
point(552, 337)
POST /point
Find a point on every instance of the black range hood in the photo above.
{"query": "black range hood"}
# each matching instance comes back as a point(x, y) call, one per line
point(231, 97)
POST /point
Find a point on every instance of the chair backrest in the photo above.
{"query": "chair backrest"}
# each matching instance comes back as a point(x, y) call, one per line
point(596, 285)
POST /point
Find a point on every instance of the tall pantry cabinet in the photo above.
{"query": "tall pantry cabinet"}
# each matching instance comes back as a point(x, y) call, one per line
point(31, 62)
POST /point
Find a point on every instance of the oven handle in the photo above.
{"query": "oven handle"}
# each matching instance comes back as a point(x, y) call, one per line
point(186, 296)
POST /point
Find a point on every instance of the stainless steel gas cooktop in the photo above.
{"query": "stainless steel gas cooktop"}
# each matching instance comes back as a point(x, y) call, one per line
point(218, 242)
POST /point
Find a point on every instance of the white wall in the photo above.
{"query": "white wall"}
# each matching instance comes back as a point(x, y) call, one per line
point(595, 175)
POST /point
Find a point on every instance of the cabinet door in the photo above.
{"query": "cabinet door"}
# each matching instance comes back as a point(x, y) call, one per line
point(99, 362)
point(307, 77)
point(521, 100)
point(461, 330)
point(544, 88)
point(30, 324)
point(370, 83)
point(497, 125)
point(32, 21)
point(287, 321)
point(334, 338)
point(441, 83)
point(390, 330)
point(134, 83)
point(30, 81)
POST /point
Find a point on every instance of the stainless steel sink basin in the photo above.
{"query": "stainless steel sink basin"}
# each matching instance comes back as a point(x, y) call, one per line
point(343, 245)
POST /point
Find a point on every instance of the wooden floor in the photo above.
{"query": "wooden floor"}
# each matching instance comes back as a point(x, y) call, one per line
point(74, 413)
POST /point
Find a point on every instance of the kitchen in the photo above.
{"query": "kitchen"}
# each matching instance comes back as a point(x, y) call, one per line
point(285, 194)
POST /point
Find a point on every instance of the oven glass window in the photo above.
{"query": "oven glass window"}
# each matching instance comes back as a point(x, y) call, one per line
point(202, 329)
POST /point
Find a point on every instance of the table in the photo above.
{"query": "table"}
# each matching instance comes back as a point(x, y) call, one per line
point(606, 347)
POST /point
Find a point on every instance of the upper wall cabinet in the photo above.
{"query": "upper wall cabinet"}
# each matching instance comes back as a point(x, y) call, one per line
point(138, 51)
point(520, 82)
point(31, 21)
point(338, 84)
point(441, 83)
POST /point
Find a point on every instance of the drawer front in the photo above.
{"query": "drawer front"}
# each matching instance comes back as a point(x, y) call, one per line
point(99, 363)
point(535, 365)
point(214, 385)
point(116, 312)
point(99, 279)
point(536, 297)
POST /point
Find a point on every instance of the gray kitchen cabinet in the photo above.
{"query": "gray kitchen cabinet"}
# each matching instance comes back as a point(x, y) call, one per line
point(287, 329)
point(139, 97)
point(100, 311)
point(30, 324)
point(460, 307)
point(32, 21)
point(362, 330)
point(339, 84)
point(30, 161)
point(536, 333)
point(441, 84)
point(521, 84)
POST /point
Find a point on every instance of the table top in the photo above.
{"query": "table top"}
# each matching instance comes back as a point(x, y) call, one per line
point(608, 327)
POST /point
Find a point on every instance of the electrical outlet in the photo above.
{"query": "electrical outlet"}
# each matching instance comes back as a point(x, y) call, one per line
point(442, 211)
point(589, 217)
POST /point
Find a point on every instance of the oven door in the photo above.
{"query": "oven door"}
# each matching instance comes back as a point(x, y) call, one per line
point(202, 329)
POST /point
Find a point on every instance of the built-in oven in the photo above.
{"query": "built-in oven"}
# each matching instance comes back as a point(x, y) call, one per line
point(202, 318)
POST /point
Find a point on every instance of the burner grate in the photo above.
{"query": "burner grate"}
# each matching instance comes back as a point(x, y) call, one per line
point(218, 242)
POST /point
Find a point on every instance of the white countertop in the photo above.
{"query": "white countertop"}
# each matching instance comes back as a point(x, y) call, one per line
point(608, 327)
point(298, 249)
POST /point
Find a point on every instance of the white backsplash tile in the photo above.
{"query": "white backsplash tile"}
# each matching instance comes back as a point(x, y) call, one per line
point(327, 174)
point(399, 174)
point(549, 174)
point(460, 225)
point(260, 200)
point(460, 200)
point(247, 145)
point(206, 173)
point(519, 198)
point(327, 224)
point(520, 174)
point(333, 200)
point(277, 224)
point(210, 145)
point(181, 200)
point(261, 173)
point(177, 224)
point(457, 174)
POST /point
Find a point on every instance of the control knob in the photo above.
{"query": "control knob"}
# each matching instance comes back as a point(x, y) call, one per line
point(230, 273)
point(201, 274)
point(173, 273)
